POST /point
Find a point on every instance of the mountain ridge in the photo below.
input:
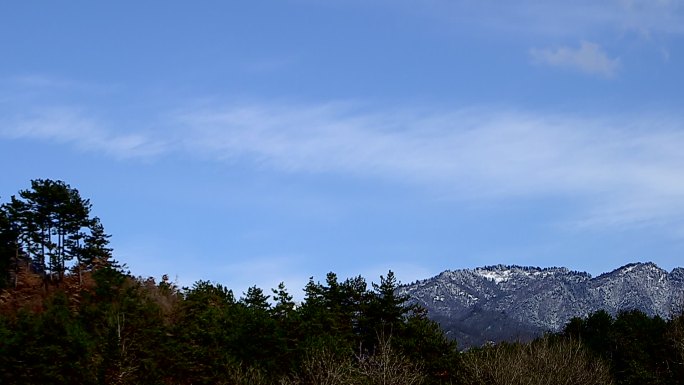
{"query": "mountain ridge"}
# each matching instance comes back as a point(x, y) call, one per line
point(508, 302)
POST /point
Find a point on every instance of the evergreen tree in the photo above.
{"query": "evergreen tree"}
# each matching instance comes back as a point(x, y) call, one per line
point(255, 299)
point(313, 310)
point(354, 303)
point(8, 239)
point(17, 234)
point(387, 310)
point(284, 305)
point(635, 345)
point(53, 227)
point(596, 331)
point(205, 326)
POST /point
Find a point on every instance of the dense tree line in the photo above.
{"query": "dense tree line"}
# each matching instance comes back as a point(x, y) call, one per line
point(119, 329)
point(639, 349)
point(69, 314)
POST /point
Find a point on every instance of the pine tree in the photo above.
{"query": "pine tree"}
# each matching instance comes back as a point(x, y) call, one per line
point(7, 248)
point(255, 299)
point(91, 248)
point(390, 307)
point(53, 227)
point(284, 305)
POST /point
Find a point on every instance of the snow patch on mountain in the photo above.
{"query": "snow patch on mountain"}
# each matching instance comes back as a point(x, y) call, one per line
point(525, 301)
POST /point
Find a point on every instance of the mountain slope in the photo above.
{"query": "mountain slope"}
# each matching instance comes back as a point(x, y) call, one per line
point(500, 302)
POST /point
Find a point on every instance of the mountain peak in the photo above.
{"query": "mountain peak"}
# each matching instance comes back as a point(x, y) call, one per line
point(512, 302)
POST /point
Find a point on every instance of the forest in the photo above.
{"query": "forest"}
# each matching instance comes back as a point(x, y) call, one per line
point(70, 313)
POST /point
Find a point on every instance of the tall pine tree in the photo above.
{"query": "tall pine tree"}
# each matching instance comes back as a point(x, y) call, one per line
point(50, 223)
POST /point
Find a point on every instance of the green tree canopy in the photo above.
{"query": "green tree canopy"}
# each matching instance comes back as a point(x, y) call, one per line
point(50, 223)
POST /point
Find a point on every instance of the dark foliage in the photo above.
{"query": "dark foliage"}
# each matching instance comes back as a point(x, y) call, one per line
point(97, 324)
point(639, 349)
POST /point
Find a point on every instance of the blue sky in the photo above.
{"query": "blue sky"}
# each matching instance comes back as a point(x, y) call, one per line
point(266, 141)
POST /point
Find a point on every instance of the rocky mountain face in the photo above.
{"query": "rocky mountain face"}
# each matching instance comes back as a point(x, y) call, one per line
point(496, 303)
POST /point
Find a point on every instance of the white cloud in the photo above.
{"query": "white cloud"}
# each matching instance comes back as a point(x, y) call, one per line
point(560, 18)
point(625, 171)
point(625, 24)
point(588, 58)
point(41, 81)
point(71, 126)
point(622, 171)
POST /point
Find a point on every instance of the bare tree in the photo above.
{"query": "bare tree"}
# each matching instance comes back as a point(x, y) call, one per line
point(544, 361)
point(385, 366)
point(389, 367)
point(323, 367)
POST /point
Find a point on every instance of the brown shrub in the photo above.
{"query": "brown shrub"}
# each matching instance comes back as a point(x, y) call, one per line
point(545, 362)
point(384, 367)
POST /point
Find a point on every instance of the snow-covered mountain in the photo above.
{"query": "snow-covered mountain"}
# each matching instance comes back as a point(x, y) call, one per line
point(496, 303)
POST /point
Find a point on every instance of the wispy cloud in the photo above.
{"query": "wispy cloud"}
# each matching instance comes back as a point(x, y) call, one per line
point(73, 127)
point(623, 171)
point(622, 23)
point(41, 81)
point(560, 18)
point(588, 58)
point(270, 65)
point(661, 16)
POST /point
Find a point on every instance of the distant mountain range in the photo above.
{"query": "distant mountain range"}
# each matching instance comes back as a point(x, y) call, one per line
point(496, 303)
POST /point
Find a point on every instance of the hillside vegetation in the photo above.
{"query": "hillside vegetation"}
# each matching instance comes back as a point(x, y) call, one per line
point(70, 314)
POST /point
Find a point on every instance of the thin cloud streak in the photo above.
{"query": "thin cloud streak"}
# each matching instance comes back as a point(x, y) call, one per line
point(623, 171)
point(73, 127)
point(622, 168)
point(558, 18)
point(589, 58)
